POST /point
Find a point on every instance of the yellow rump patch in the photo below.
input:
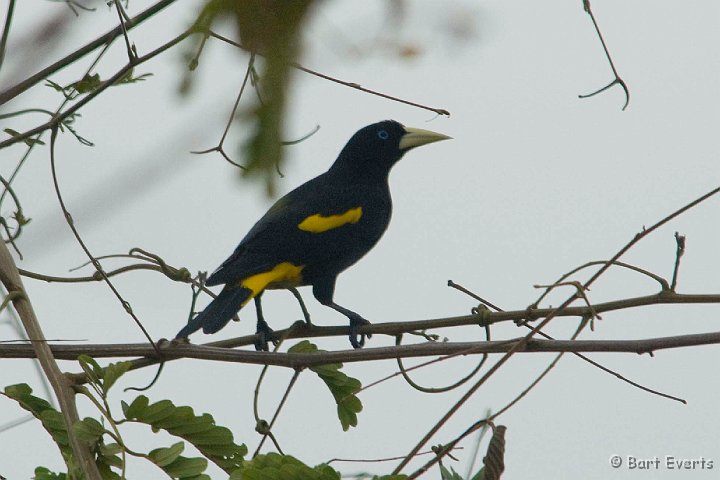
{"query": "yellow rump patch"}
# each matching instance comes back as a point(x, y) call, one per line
point(284, 273)
point(318, 223)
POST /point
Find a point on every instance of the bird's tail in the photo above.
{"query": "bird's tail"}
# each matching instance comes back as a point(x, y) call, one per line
point(219, 312)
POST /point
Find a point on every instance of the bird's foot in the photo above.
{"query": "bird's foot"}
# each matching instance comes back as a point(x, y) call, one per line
point(264, 333)
point(357, 340)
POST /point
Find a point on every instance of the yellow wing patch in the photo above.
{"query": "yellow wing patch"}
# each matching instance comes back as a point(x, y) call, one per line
point(284, 273)
point(318, 223)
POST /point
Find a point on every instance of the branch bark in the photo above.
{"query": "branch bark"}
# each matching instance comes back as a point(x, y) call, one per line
point(63, 390)
point(302, 360)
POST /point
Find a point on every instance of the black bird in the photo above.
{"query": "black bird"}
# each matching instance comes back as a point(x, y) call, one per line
point(315, 232)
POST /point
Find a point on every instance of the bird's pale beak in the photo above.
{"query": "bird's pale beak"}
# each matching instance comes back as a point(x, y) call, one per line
point(415, 137)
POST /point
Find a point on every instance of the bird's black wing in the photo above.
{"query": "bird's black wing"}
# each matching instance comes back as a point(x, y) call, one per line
point(275, 238)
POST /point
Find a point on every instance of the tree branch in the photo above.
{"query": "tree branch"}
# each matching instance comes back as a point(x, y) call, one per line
point(522, 343)
point(42, 351)
point(119, 75)
point(29, 82)
point(171, 350)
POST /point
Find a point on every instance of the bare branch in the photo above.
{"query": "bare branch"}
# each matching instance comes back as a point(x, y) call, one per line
point(522, 343)
point(71, 352)
point(439, 111)
point(580, 355)
point(617, 80)
point(171, 350)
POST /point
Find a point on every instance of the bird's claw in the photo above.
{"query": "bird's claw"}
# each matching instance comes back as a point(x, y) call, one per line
point(264, 333)
point(357, 340)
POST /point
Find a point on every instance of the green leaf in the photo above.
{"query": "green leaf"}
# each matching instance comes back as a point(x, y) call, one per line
point(51, 419)
point(163, 457)
point(183, 467)
point(480, 475)
point(91, 368)
point(42, 473)
point(282, 467)
point(342, 387)
point(138, 405)
point(89, 430)
point(213, 441)
point(158, 411)
point(446, 474)
point(86, 84)
point(112, 372)
point(129, 78)
point(110, 449)
point(42, 410)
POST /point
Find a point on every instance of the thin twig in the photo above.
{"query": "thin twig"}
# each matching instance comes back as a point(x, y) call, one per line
point(122, 16)
point(18, 213)
point(76, 233)
point(617, 80)
point(414, 367)
point(579, 291)
point(120, 74)
point(174, 274)
point(32, 145)
point(537, 380)
point(447, 388)
point(278, 409)
point(679, 252)
point(476, 450)
point(439, 111)
point(219, 148)
point(77, 54)
point(6, 31)
point(267, 428)
point(377, 460)
point(522, 343)
point(583, 357)
point(663, 283)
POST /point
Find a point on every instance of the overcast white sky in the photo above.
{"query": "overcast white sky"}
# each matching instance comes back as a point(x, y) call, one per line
point(535, 183)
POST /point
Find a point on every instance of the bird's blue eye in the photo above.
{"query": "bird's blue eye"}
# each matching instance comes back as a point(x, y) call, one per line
point(383, 135)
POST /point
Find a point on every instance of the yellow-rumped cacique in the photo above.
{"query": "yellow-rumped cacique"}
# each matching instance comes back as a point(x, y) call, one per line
point(315, 232)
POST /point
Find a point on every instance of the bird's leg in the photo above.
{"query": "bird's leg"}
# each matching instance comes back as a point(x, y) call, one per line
point(304, 309)
point(263, 330)
point(323, 292)
point(357, 340)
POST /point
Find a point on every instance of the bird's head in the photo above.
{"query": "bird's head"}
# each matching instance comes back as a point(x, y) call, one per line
point(377, 147)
